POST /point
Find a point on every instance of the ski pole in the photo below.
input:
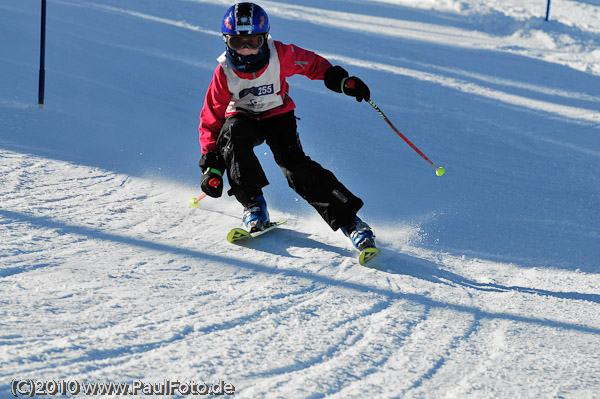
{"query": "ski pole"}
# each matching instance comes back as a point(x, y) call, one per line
point(439, 170)
point(214, 182)
point(194, 201)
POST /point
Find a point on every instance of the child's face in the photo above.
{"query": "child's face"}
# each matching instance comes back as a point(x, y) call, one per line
point(247, 51)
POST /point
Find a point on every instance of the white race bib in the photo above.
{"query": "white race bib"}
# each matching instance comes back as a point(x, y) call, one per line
point(257, 95)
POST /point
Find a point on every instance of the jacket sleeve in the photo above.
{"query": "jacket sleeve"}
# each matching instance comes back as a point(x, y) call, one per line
point(213, 111)
point(295, 60)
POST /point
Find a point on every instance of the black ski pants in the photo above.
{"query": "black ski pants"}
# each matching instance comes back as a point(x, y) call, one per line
point(317, 185)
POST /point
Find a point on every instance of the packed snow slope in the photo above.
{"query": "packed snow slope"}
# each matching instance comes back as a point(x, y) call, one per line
point(488, 285)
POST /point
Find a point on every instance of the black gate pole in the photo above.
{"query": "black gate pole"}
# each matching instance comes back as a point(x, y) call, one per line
point(548, 10)
point(42, 78)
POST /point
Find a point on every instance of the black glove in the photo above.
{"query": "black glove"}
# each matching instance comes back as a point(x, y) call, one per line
point(212, 183)
point(338, 80)
point(212, 165)
point(354, 87)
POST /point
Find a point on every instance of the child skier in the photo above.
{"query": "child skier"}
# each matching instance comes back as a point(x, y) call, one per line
point(247, 103)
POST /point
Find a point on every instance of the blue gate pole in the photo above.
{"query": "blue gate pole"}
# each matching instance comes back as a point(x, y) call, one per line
point(42, 78)
point(548, 10)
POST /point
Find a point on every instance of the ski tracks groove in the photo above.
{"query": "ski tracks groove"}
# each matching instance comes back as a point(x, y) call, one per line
point(114, 273)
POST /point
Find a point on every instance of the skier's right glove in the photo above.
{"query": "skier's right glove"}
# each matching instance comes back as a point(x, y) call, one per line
point(212, 183)
point(212, 179)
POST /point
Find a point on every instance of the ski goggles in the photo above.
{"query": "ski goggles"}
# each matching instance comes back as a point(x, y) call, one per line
point(252, 42)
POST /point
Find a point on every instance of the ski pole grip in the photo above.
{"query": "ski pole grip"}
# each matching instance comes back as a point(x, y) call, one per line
point(214, 182)
point(348, 83)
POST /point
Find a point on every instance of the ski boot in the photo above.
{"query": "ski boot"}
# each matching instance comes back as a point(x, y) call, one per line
point(256, 216)
point(360, 234)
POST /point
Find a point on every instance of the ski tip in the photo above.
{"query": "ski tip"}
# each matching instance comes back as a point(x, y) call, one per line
point(240, 234)
point(367, 254)
point(237, 235)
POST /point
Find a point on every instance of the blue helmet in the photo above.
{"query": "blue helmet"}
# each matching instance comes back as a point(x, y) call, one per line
point(245, 19)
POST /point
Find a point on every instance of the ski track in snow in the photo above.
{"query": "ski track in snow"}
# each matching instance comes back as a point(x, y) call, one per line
point(124, 267)
point(108, 277)
point(397, 28)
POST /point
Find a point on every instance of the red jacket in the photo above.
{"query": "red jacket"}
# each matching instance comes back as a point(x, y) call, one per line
point(294, 61)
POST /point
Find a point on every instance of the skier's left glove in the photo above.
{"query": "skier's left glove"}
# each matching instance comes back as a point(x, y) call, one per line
point(354, 87)
point(337, 79)
point(212, 180)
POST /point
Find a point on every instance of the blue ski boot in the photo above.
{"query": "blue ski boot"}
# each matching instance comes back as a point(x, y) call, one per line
point(256, 216)
point(360, 234)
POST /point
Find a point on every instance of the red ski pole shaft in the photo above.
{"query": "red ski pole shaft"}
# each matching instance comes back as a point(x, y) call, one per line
point(214, 182)
point(403, 137)
point(199, 198)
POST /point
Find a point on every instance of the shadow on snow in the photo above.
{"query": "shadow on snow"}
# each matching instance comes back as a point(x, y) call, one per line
point(401, 264)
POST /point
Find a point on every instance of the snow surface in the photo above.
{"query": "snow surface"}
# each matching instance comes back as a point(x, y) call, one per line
point(488, 284)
